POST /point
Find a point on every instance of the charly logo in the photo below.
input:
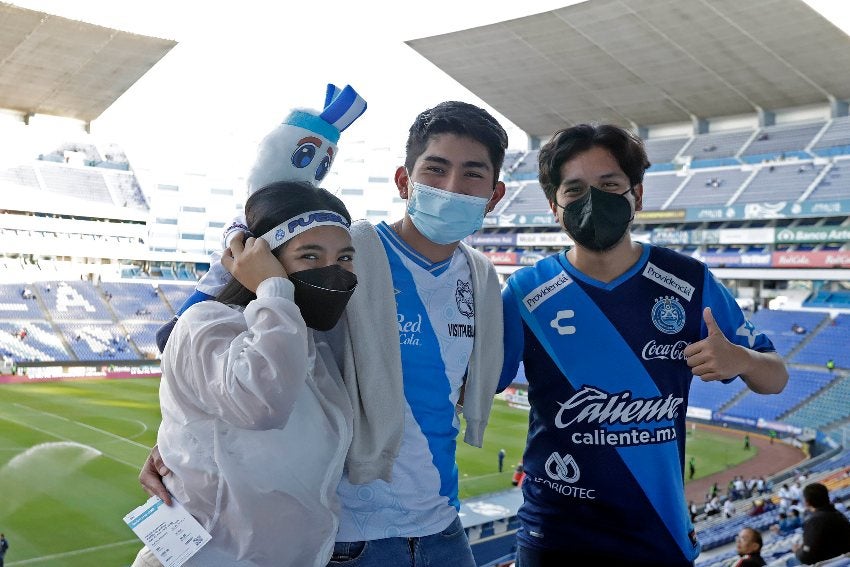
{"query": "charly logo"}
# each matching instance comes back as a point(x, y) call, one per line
point(668, 315)
point(562, 468)
point(463, 298)
point(560, 317)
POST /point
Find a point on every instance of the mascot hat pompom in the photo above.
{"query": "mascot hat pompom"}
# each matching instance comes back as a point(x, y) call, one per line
point(303, 146)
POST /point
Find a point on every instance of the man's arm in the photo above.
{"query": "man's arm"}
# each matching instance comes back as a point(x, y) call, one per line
point(715, 358)
point(513, 339)
point(812, 541)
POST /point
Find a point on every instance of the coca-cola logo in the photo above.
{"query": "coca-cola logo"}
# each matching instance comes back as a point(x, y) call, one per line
point(655, 351)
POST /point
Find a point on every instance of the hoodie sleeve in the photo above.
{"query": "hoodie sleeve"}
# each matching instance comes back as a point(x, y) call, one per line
point(245, 368)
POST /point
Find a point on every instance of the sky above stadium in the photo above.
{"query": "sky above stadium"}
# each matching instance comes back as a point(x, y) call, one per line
point(239, 66)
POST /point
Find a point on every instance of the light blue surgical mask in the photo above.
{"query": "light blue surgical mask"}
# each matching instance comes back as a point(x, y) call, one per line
point(444, 217)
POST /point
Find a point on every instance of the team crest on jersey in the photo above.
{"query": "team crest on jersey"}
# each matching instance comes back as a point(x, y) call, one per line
point(668, 315)
point(463, 298)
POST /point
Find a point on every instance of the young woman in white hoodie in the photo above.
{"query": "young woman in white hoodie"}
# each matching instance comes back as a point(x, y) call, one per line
point(255, 421)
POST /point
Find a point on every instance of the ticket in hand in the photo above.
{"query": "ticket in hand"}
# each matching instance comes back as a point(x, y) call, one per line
point(170, 532)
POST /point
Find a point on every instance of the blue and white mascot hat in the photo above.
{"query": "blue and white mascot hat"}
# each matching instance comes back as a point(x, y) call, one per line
point(303, 146)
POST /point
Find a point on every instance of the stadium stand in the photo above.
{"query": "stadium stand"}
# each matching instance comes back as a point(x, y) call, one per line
point(780, 183)
point(782, 141)
point(802, 384)
point(779, 326)
point(830, 343)
point(713, 395)
point(710, 187)
point(835, 140)
point(825, 409)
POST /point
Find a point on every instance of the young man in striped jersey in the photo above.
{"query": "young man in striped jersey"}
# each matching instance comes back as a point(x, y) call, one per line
point(611, 333)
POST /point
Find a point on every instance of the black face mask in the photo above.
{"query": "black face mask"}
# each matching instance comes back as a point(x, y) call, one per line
point(322, 294)
point(598, 220)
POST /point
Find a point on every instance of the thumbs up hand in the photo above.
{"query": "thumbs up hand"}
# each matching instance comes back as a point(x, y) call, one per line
point(714, 357)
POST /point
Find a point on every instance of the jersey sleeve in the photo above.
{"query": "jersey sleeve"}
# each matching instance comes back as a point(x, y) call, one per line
point(513, 338)
point(730, 318)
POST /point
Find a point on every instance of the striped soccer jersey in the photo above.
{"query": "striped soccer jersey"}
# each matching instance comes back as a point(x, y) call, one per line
point(436, 329)
point(608, 388)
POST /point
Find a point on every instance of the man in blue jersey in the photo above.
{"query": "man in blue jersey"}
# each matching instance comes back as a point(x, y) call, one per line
point(611, 333)
point(439, 300)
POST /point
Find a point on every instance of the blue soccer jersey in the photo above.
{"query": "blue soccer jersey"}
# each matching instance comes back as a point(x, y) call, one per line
point(436, 328)
point(608, 388)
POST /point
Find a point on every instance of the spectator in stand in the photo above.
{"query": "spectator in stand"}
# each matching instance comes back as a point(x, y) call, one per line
point(784, 494)
point(739, 488)
point(728, 508)
point(519, 475)
point(758, 508)
point(748, 544)
point(795, 492)
point(826, 532)
point(712, 506)
point(693, 510)
point(788, 522)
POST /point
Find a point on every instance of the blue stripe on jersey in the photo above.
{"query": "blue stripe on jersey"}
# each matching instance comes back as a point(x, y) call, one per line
point(435, 268)
point(426, 387)
point(643, 461)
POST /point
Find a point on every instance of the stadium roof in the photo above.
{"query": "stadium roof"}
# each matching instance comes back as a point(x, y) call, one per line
point(648, 62)
point(53, 65)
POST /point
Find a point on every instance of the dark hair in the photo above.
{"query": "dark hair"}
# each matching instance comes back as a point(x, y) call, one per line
point(565, 144)
point(270, 206)
point(816, 495)
point(461, 119)
point(756, 536)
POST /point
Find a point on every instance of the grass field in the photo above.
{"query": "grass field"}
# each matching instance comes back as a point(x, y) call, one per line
point(714, 453)
point(70, 454)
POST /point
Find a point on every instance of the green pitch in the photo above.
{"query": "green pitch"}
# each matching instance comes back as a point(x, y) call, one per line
point(70, 454)
point(713, 452)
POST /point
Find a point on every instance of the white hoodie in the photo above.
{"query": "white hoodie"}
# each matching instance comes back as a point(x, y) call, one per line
point(255, 429)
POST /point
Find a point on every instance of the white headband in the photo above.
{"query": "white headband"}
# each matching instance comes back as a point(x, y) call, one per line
point(305, 221)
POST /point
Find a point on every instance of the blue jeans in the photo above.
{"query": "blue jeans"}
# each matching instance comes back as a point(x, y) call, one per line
point(448, 548)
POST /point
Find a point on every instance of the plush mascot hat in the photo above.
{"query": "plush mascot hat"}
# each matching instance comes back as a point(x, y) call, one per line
point(303, 146)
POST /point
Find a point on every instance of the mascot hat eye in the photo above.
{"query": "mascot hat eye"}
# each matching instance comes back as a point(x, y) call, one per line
point(324, 167)
point(303, 155)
